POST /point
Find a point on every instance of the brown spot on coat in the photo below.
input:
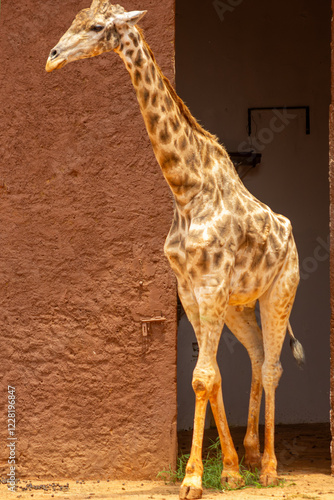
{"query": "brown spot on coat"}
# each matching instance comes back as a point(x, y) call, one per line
point(217, 258)
point(109, 33)
point(139, 59)
point(217, 200)
point(137, 77)
point(168, 102)
point(182, 184)
point(153, 120)
point(145, 96)
point(183, 143)
point(281, 231)
point(224, 228)
point(239, 208)
point(147, 77)
point(257, 259)
point(134, 38)
point(258, 283)
point(175, 241)
point(204, 260)
point(153, 71)
point(183, 223)
point(154, 99)
point(244, 280)
point(275, 224)
point(169, 160)
point(193, 273)
point(164, 134)
point(274, 243)
point(219, 151)
point(240, 260)
point(175, 123)
point(191, 161)
point(270, 259)
point(207, 161)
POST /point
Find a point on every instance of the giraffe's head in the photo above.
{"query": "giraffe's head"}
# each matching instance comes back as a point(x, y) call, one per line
point(93, 31)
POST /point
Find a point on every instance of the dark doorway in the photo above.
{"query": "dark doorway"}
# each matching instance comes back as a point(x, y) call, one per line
point(255, 54)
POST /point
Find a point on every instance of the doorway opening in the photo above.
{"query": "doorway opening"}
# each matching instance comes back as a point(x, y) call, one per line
point(276, 62)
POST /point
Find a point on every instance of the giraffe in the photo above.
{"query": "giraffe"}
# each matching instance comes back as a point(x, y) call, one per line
point(227, 249)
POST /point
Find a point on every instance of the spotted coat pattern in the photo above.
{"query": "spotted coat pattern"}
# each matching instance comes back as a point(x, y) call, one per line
point(227, 249)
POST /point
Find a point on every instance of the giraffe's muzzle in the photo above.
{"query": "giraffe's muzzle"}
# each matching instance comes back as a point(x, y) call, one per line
point(55, 61)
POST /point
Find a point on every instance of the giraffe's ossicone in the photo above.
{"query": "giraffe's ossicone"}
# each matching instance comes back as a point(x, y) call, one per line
point(227, 249)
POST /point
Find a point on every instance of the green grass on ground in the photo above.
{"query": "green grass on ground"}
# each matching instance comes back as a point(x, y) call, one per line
point(213, 466)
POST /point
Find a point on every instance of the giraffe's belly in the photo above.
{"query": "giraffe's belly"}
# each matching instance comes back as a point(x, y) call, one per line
point(241, 299)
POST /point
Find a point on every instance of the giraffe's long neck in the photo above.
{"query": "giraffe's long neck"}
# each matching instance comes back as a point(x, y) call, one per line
point(179, 148)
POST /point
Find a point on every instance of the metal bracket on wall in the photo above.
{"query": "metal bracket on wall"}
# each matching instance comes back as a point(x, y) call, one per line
point(146, 323)
point(245, 158)
point(307, 110)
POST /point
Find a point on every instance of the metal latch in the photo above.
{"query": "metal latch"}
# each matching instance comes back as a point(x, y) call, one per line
point(146, 323)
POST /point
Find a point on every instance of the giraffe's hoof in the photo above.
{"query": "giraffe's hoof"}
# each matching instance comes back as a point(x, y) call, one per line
point(269, 479)
point(232, 479)
point(191, 487)
point(190, 492)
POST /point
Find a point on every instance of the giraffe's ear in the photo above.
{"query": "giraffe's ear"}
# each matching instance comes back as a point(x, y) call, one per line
point(130, 18)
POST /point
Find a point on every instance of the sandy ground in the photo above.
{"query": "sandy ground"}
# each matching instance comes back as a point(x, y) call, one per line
point(304, 464)
point(301, 486)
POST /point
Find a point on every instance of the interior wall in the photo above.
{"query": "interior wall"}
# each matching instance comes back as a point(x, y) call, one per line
point(331, 180)
point(84, 212)
point(231, 56)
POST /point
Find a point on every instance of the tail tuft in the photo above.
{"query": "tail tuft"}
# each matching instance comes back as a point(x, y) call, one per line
point(298, 352)
point(297, 349)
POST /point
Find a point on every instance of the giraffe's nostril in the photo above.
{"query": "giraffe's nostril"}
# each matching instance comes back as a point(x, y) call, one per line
point(54, 53)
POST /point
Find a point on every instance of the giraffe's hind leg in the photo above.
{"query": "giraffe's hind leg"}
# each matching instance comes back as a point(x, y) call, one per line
point(275, 308)
point(243, 325)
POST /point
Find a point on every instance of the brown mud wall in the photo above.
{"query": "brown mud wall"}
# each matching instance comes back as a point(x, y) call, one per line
point(84, 211)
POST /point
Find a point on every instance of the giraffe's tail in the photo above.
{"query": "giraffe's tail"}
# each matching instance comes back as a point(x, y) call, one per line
point(297, 348)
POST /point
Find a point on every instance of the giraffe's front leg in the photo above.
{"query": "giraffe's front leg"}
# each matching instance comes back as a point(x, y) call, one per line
point(191, 486)
point(204, 380)
point(212, 304)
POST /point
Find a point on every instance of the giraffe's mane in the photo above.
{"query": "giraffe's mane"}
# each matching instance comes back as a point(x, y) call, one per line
point(181, 105)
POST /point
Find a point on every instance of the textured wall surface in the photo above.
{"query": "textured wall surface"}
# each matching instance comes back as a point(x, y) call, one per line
point(84, 211)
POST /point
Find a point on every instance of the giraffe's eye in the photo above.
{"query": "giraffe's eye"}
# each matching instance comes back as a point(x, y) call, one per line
point(96, 28)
